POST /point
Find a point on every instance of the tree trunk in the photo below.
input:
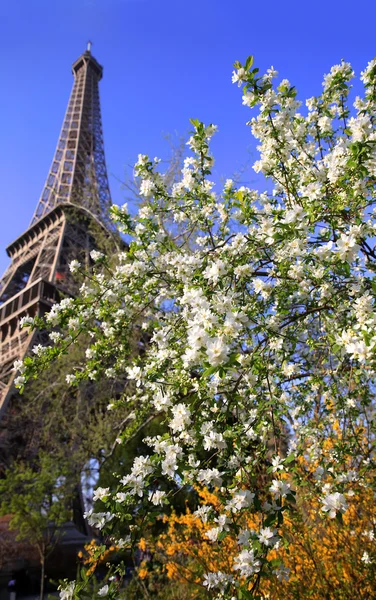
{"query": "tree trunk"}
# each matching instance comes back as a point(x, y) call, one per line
point(41, 595)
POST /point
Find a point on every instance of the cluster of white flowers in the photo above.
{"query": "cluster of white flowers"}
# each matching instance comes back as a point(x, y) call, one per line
point(62, 307)
point(26, 321)
point(333, 504)
point(217, 580)
point(96, 255)
point(98, 520)
point(100, 493)
point(67, 590)
point(74, 266)
point(247, 563)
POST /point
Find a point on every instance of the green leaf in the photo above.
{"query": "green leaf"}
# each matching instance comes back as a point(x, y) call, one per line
point(222, 536)
point(249, 63)
point(346, 268)
point(247, 595)
point(209, 371)
point(289, 459)
point(270, 520)
point(339, 517)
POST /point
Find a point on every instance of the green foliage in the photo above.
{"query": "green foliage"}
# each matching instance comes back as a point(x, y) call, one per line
point(39, 499)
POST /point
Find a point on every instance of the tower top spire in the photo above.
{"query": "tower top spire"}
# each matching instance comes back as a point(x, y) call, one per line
point(78, 172)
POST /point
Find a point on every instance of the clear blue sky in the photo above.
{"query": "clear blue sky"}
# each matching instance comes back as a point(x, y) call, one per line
point(164, 62)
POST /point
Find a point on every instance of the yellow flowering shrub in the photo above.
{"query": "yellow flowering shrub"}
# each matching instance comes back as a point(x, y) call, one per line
point(325, 558)
point(95, 554)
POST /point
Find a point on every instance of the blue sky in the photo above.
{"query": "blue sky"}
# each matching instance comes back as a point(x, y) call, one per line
point(164, 62)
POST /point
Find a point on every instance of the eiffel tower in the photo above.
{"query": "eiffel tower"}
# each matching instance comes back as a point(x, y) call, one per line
point(75, 195)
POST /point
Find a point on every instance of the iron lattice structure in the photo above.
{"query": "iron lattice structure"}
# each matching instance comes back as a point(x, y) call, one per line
point(78, 172)
point(73, 205)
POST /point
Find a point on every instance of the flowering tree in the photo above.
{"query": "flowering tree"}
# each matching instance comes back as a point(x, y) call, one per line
point(260, 310)
point(37, 498)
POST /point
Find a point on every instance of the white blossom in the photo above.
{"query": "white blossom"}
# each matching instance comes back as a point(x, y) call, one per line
point(100, 493)
point(157, 496)
point(279, 488)
point(333, 504)
point(212, 534)
point(217, 351)
point(74, 266)
point(96, 255)
point(67, 590)
point(247, 563)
